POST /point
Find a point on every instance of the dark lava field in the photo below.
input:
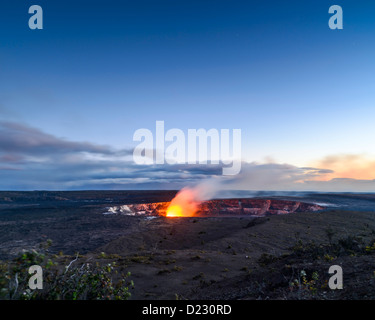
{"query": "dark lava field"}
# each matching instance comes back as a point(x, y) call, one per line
point(210, 257)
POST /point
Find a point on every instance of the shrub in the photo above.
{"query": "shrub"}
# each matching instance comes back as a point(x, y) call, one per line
point(304, 283)
point(83, 281)
point(266, 259)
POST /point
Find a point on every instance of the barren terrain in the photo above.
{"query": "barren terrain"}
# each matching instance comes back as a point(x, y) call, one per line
point(239, 257)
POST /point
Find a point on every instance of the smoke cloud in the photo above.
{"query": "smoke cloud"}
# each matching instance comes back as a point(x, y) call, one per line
point(278, 178)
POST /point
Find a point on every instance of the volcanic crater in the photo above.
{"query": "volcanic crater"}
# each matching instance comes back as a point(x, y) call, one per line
point(222, 207)
point(229, 250)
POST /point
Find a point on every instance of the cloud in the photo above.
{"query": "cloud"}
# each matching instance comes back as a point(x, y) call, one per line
point(96, 174)
point(353, 166)
point(272, 176)
point(285, 178)
point(32, 159)
point(11, 158)
point(341, 185)
point(16, 138)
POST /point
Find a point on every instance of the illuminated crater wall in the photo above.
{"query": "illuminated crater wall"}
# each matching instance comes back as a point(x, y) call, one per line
point(223, 207)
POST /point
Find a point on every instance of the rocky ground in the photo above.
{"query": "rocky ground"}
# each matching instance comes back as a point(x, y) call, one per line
point(272, 257)
point(245, 258)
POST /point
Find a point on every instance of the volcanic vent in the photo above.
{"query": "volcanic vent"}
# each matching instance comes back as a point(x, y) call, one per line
point(220, 207)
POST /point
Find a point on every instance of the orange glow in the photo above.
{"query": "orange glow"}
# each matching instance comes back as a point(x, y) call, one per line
point(350, 166)
point(184, 204)
point(174, 211)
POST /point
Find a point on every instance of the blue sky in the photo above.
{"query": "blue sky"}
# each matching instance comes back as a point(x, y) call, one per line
point(98, 71)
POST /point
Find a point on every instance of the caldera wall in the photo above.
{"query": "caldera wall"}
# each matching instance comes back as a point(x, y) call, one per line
point(222, 207)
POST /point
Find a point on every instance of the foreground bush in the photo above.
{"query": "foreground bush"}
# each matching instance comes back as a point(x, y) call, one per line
point(76, 281)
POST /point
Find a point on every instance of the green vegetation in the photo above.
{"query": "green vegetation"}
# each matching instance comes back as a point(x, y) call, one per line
point(303, 272)
point(351, 245)
point(304, 283)
point(169, 261)
point(370, 248)
point(141, 259)
point(177, 268)
point(76, 281)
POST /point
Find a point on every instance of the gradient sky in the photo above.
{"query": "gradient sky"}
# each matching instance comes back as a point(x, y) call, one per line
point(302, 94)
